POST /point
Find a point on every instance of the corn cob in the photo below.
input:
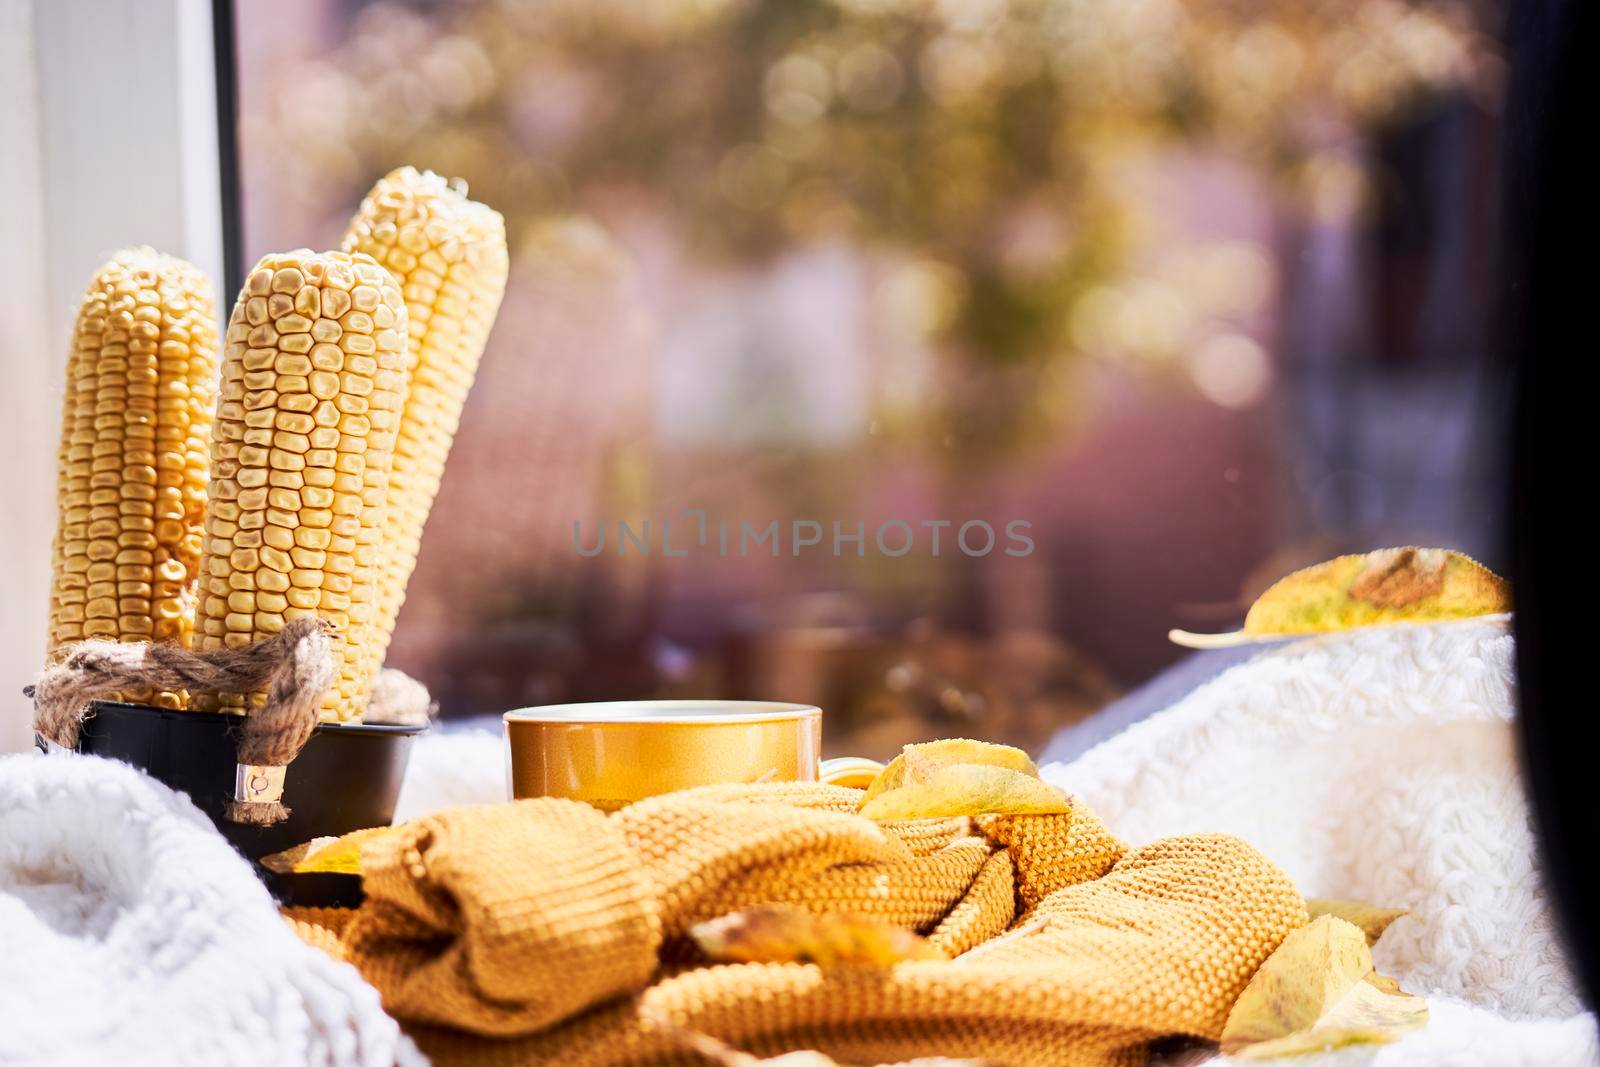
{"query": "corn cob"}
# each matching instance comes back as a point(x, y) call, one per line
point(449, 255)
point(132, 467)
point(313, 383)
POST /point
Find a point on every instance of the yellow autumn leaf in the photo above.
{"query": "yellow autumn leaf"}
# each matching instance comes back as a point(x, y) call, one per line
point(1383, 982)
point(325, 855)
point(968, 789)
point(917, 762)
point(853, 772)
point(1369, 918)
point(780, 933)
point(1318, 991)
point(1385, 586)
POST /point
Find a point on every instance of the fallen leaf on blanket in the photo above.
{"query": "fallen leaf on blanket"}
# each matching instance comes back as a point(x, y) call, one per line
point(325, 855)
point(1383, 982)
point(1319, 991)
point(1371, 919)
point(780, 933)
point(916, 763)
point(968, 789)
point(1385, 586)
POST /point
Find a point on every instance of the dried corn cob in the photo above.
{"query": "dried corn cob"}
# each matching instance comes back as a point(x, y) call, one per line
point(449, 255)
point(313, 383)
point(141, 385)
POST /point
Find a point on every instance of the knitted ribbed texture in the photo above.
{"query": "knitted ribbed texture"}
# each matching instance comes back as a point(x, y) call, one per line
point(795, 794)
point(984, 912)
point(504, 934)
point(1053, 853)
point(504, 918)
point(322, 927)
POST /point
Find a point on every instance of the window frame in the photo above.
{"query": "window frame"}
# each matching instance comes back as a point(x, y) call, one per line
point(81, 178)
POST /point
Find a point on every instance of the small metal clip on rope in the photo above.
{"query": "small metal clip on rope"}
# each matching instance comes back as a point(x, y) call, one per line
point(257, 784)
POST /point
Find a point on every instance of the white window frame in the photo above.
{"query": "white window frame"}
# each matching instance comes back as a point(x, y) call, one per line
point(108, 122)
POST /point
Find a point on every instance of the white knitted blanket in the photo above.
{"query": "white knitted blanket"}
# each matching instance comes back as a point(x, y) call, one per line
point(132, 934)
point(1375, 766)
point(1379, 766)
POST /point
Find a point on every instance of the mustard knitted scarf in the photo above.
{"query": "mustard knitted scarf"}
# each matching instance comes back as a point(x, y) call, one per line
point(545, 932)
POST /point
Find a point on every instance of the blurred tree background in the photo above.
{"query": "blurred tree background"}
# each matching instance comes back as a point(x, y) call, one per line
point(1003, 226)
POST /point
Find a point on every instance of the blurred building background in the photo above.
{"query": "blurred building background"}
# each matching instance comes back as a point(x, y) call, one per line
point(1199, 288)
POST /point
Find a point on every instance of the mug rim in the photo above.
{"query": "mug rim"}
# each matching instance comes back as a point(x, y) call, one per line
point(695, 712)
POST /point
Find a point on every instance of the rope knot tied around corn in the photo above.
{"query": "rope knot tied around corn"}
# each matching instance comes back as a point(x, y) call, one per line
point(296, 667)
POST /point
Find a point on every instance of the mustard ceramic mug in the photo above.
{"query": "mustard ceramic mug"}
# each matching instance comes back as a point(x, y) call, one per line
point(610, 754)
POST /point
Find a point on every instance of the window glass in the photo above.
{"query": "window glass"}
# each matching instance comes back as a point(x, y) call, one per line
point(950, 352)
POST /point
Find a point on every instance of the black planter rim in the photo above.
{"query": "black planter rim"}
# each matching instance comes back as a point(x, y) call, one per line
point(225, 719)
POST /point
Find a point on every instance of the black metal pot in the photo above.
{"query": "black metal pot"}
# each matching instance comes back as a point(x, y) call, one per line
point(346, 778)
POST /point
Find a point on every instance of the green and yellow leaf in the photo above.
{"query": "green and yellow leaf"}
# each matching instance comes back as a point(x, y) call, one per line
point(1369, 918)
point(1318, 991)
point(780, 933)
point(916, 763)
point(968, 789)
point(1385, 586)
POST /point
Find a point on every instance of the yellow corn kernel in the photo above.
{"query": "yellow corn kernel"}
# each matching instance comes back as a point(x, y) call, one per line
point(448, 254)
point(134, 456)
point(259, 572)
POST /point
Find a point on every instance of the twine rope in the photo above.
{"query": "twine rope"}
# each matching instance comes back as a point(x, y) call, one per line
point(295, 666)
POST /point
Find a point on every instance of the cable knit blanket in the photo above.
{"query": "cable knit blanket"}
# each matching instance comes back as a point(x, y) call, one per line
point(1376, 766)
